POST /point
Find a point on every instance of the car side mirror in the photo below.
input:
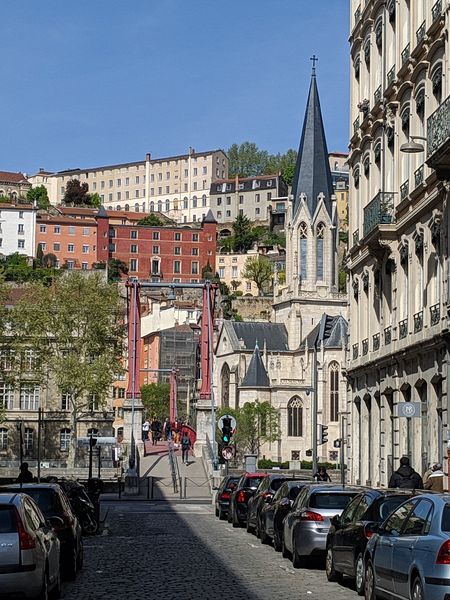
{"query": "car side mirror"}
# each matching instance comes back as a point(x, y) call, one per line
point(55, 522)
point(336, 521)
point(371, 528)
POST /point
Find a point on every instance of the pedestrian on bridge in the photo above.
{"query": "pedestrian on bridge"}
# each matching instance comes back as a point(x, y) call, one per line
point(155, 426)
point(185, 447)
point(167, 429)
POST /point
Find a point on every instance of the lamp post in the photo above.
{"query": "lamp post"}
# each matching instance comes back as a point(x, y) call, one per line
point(413, 147)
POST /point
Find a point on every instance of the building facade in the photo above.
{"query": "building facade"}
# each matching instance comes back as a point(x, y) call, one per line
point(398, 237)
point(340, 177)
point(13, 185)
point(17, 229)
point(177, 186)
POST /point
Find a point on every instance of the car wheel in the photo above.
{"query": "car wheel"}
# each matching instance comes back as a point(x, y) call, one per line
point(284, 551)
point(369, 583)
point(359, 574)
point(222, 516)
point(297, 560)
point(276, 541)
point(217, 512)
point(417, 590)
point(80, 557)
point(332, 574)
point(230, 515)
point(70, 567)
point(56, 591)
point(249, 528)
point(235, 521)
point(263, 535)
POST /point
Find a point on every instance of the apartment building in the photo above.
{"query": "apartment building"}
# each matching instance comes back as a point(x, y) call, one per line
point(178, 186)
point(17, 229)
point(340, 178)
point(400, 139)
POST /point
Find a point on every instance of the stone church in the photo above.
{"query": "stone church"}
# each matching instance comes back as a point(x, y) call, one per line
point(302, 350)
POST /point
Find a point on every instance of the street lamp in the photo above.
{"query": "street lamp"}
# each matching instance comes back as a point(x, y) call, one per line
point(413, 147)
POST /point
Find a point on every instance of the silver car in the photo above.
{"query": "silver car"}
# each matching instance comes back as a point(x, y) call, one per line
point(409, 554)
point(306, 526)
point(29, 550)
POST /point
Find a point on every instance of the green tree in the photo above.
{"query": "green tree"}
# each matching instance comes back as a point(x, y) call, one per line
point(155, 398)
point(75, 330)
point(284, 164)
point(76, 193)
point(151, 220)
point(259, 270)
point(243, 233)
point(116, 268)
point(94, 200)
point(39, 256)
point(207, 272)
point(246, 160)
point(40, 196)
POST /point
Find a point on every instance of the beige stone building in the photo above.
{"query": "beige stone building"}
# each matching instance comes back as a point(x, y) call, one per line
point(178, 186)
point(13, 185)
point(340, 177)
point(398, 348)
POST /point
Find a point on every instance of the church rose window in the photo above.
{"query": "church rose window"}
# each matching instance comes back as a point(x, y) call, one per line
point(303, 234)
point(295, 417)
point(334, 391)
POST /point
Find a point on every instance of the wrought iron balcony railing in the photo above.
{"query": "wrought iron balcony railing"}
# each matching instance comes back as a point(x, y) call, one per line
point(391, 76)
point(355, 125)
point(355, 237)
point(365, 346)
point(420, 33)
point(405, 54)
point(376, 342)
point(436, 10)
point(355, 351)
point(387, 335)
point(357, 15)
point(438, 126)
point(435, 314)
point(418, 176)
point(418, 321)
point(404, 190)
point(377, 95)
point(379, 210)
point(403, 328)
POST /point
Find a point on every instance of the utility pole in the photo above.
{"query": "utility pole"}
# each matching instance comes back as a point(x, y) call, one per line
point(314, 413)
point(40, 418)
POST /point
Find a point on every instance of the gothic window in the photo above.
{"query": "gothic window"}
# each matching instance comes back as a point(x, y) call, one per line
point(334, 391)
point(320, 233)
point(225, 385)
point(303, 234)
point(295, 417)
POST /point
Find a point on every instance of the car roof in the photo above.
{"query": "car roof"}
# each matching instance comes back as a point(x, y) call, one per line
point(7, 498)
point(31, 486)
point(330, 487)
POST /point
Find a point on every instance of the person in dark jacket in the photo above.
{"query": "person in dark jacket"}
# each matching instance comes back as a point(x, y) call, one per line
point(405, 477)
point(25, 475)
point(322, 475)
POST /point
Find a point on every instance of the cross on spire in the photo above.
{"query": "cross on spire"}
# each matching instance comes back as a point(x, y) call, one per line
point(314, 59)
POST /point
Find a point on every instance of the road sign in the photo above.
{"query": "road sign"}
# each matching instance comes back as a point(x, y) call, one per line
point(410, 410)
point(220, 422)
point(228, 452)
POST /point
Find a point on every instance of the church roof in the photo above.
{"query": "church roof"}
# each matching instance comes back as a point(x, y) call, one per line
point(256, 376)
point(244, 335)
point(331, 331)
point(312, 171)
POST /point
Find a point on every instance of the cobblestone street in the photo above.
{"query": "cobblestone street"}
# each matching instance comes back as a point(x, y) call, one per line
point(173, 551)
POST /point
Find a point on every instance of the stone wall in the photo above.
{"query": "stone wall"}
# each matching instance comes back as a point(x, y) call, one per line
point(254, 309)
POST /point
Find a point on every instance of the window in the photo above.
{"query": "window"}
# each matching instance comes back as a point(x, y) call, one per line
point(228, 213)
point(195, 237)
point(194, 268)
point(64, 440)
point(70, 247)
point(194, 202)
point(303, 234)
point(320, 233)
point(155, 249)
point(29, 396)
point(29, 359)
point(234, 272)
point(257, 197)
point(70, 264)
point(219, 201)
point(395, 522)
point(177, 266)
point(102, 185)
point(334, 391)
point(137, 179)
point(133, 264)
point(295, 417)
point(85, 249)
point(155, 235)
point(119, 182)
point(177, 250)
point(248, 286)
point(203, 200)
point(72, 230)
point(6, 395)
point(178, 237)
point(155, 266)
point(127, 181)
point(419, 520)
point(3, 438)
point(241, 199)
point(28, 439)
point(228, 200)
point(134, 234)
point(65, 401)
point(57, 229)
point(195, 170)
point(133, 249)
point(43, 246)
point(257, 211)
point(221, 272)
point(194, 251)
point(269, 195)
point(93, 403)
point(21, 244)
point(20, 228)
point(42, 228)
point(119, 196)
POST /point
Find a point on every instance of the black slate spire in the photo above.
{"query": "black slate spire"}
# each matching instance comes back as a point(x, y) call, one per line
point(256, 376)
point(312, 171)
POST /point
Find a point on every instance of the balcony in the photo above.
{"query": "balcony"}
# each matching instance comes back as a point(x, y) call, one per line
point(379, 211)
point(365, 346)
point(420, 33)
point(403, 328)
point(377, 95)
point(418, 321)
point(435, 314)
point(436, 11)
point(418, 176)
point(357, 15)
point(355, 351)
point(376, 342)
point(438, 140)
point(404, 190)
point(405, 54)
point(355, 125)
point(391, 76)
point(355, 237)
point(387, 335)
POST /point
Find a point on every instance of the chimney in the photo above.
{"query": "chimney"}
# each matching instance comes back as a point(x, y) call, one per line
point(148, 157)
point(41, 169)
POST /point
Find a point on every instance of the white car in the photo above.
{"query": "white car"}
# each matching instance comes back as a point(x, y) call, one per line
point(29, 550)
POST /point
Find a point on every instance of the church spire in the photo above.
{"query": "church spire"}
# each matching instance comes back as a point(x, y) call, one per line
point(312, 172)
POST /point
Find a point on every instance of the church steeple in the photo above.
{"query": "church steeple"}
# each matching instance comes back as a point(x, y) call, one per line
point(312, 172)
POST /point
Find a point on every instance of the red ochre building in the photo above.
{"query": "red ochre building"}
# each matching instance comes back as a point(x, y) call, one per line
point(80, 238)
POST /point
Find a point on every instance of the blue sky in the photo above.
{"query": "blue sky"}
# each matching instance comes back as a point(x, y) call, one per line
point(97, 82)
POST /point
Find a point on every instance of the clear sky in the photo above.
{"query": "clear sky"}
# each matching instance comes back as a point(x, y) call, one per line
point(96, 82)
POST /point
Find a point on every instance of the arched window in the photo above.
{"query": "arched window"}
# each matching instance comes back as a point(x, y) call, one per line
point(167, 205)
point(160, 206)
point(152, 206)
point(334, 391)
point(194, 202)
point(118, 207)
point(185, 202)
point(295, 417)
point(303, 235)
point(127, 207)
point(3, 438)
point(320, 233)
point(64, 440)
point(225, 385)
point(204, 200)
point(136, 207)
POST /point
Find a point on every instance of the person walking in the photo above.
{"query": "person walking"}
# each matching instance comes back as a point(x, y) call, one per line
point(435, 480)
point(405, 477)
point(145, 430)
point(25, 475)
point(155, 427)
point(322, 475)
point(167, 430)
point(185, 447)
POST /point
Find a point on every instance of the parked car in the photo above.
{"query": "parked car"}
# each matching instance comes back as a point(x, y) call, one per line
point(245, 488)
point(349, 533)
point(264, 494)
point(273, 513)
point(29, 549)
point(53, 502)
point(409, 554)
point(223, 495)
point(306, 525)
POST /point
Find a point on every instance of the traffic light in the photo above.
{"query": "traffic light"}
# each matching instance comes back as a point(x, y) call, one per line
point(323, 434)
point(227, 431)
point(337, 443)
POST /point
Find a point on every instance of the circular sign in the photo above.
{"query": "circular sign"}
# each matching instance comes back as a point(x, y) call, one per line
point(409, 410)
point(232, 421)
point(228, 452)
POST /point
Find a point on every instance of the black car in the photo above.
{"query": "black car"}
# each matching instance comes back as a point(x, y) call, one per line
point(53, 502)
point(273, 513)
point(349, 533)
point(223, 496)
point(264, 494)
point(245, 488)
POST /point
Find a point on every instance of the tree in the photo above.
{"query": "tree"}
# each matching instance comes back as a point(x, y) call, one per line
point(39, 256)
point(76, 194)
point(235, 284)
point(259, 270)
point(243, 233)
point(75, 331)
point(94, 200)
point(116, 268)
point(284, 164)
point(155, 398)
point(40, 196)
point(246, 160)
point(207, 272)
point(152, 220)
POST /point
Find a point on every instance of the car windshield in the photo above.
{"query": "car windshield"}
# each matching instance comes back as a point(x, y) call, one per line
point(330, 500)
point(445, 526)
point(7, 520)
point(387, 506)
point(252, 482)
point(46, 499)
